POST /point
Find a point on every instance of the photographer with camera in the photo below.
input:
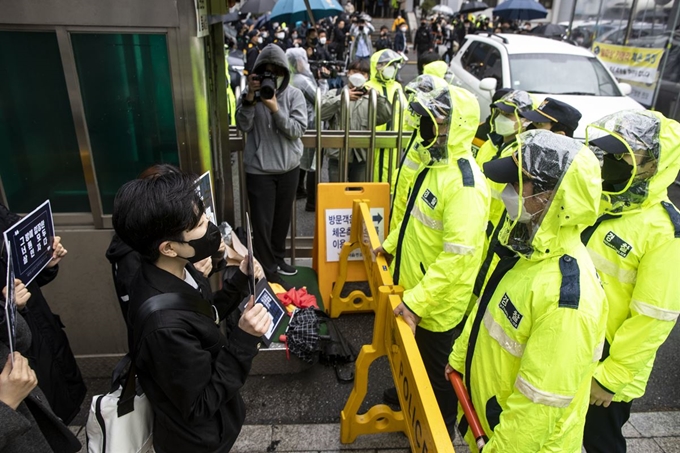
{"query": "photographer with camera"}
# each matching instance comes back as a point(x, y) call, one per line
point(274, 115)
point(357, 74)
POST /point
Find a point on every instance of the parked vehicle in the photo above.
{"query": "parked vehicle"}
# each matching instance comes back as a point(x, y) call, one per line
point(542, 67)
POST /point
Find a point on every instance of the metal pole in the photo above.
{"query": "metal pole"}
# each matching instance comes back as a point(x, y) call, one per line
point(344, 154)
point(311, 15)
point(665, 57)
point(372, 120)
point(317, 118)
point(571, 19)
point(629, 28)
point(400, 130)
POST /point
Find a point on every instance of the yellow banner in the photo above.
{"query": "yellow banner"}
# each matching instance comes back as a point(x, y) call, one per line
point(632, 64)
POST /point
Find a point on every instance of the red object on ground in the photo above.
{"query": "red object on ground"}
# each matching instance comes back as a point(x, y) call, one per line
point(469, 410)
point(298, 297)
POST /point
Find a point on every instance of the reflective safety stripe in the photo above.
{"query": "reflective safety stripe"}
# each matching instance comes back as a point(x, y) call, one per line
point(408, 163)
point(651, 311)
point(426, 220)
point(496, 194)
point(458, 249)
point(542, 397)
point(605, 266)
point(503, 339)
point(597, 355)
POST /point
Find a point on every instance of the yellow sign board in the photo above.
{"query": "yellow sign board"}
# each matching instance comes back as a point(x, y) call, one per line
point(632, 64)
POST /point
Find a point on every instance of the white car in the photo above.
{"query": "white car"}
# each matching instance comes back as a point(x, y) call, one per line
point(542, 67)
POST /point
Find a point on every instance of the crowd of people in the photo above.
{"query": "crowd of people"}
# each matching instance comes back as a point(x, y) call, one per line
point(540, 268)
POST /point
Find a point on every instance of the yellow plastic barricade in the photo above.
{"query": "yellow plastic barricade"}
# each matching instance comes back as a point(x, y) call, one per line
point(419, 418)
point(333, 225)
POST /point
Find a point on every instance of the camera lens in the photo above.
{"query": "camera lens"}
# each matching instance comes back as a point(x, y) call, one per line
point(267, 88)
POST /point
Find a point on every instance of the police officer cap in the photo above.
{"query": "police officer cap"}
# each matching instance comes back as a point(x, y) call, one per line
point(609, 144)
point(503, 170)
point(552, 110)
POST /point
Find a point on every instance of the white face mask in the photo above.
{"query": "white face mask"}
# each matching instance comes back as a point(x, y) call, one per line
point(357, 80)
point(264, 34)
point(280, 35)
point(404, 29)
point(504, 126)
point(322, 41)
point(389, 72)
point(511, 201)
point(259, 40)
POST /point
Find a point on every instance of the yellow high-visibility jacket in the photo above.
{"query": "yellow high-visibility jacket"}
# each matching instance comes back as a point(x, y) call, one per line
point(438, 244)
point(538, 330)
point(386, 88)
point(637, 255)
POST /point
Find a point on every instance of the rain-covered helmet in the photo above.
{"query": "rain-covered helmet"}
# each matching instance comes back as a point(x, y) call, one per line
point(432, 111)
point(389, 62)
point(424, 83)
point(543, 159)
point(513, 102)
point(628, 145)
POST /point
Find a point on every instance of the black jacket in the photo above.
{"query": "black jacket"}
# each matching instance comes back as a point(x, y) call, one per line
point(423, 40)
point(50, 353)
point(32, 427)
point(190, 372)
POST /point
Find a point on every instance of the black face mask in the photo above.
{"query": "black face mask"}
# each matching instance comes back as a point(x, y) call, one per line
point(204, 246)
point(615, 172)
point(315, 41)
point(427, 131)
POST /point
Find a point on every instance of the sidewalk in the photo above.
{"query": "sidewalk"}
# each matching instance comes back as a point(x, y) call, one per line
point(649, 432)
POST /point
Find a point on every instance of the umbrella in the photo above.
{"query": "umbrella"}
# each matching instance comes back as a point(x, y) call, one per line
point(520, 10)
point(261, 21)
point(549, 30)
point(442, 9)
point(291, 11)
point(258, 6)
point(472, 7)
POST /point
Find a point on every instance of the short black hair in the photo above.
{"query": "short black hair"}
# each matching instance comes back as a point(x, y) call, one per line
point(147, 212)
point(360, 64)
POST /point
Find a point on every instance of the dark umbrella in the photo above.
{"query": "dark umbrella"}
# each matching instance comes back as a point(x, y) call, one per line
point(549, 30)
point(261, 21)
point(258, 6)
point(472, 7)
point(520, 10)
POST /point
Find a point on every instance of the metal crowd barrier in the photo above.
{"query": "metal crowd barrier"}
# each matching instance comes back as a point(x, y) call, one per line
point(344, 140)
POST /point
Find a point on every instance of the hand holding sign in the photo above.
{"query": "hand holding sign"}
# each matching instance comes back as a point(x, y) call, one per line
point(255, 319)
point(58, 252)
point(16, 381)
point(21, 294)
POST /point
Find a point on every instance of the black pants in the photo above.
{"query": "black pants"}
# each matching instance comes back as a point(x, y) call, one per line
point(271, 200)
point(602, 433)
point(435, 348)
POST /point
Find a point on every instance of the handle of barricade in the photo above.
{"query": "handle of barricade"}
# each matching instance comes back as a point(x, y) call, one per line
point(469, 410)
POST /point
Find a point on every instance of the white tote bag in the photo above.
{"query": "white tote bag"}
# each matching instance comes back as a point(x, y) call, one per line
point(132, 431)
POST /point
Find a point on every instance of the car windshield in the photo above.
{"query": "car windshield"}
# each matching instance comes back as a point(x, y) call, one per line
point(561, 74)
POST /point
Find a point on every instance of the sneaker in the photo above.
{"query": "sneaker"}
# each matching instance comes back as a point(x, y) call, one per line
point(286, 269)
point(390, 397)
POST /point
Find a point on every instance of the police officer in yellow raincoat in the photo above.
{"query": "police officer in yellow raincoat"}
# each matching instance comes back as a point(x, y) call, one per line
point(635, 246)
point(410, 163)
point(531, 344)
point(437, 246)
point(384, 67)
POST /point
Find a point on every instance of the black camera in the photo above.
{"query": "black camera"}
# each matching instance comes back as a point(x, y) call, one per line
point(267, 84)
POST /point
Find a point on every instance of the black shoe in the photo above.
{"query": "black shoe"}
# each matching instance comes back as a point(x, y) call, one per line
point(300, 194)
point(390, 397)
point(286, 269)
point(309, 207)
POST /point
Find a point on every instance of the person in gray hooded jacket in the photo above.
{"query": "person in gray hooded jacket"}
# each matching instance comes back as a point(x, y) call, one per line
point(272, 156)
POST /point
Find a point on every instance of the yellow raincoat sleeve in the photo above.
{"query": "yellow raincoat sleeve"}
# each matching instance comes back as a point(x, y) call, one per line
point(390, 244)
point(448, 278)
point(459, 351)
point(557, 361)
point(654, 309)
